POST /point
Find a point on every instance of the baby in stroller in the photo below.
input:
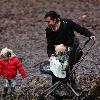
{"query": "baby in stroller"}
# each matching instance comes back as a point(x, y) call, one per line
point(59, 62)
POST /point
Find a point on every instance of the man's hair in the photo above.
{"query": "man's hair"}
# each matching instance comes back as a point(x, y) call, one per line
point(52, 14)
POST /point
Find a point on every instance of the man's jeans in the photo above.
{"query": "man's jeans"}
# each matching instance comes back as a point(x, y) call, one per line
point(10, 83)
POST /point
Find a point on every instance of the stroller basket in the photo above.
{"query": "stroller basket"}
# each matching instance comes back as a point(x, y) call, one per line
point(45, 68)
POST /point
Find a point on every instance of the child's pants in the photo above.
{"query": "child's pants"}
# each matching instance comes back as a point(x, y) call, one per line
point(10, 83)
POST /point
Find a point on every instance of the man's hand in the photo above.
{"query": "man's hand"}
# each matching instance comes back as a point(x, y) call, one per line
point(93, 38)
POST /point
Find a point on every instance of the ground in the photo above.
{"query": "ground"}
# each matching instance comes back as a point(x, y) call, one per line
point(22, 28)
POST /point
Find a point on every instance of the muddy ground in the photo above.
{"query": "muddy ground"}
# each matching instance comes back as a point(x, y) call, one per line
point(22, 28)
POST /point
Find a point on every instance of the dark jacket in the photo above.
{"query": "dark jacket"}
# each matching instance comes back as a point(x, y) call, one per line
point(65, 35)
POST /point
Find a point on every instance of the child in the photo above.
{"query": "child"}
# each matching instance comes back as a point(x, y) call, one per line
point(9, 64)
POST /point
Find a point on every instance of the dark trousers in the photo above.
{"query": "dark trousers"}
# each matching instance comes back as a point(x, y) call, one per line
point(54, 79)
point(75, 53)
point(69, 78)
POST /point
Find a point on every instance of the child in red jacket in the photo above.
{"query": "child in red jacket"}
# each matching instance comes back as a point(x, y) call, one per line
point(9, 64)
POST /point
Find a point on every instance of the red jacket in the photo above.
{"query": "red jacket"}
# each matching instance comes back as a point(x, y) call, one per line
point(8, 68)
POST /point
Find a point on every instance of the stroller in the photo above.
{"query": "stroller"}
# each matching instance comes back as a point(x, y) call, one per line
point(63, 88)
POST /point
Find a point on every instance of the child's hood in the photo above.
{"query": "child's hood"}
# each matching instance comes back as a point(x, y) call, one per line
point(5, 50)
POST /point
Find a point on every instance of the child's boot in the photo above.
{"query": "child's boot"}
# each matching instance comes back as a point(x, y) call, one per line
point(13, 93)
point(5, 91)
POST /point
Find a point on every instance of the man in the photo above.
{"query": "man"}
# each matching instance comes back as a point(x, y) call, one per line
point(61, 31)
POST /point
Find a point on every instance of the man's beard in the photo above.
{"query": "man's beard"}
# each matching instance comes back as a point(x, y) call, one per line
point(52, 27)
